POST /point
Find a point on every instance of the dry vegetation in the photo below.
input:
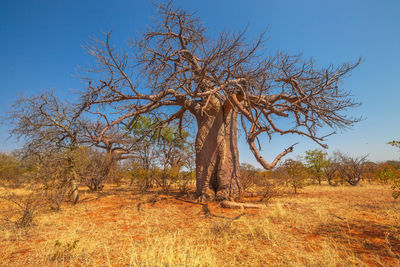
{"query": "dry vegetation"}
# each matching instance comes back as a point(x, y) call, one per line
point(321, 226)
point(173, 138)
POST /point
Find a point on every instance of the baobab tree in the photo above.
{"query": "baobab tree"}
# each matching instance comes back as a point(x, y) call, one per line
point(117, 143)
point(174, 68)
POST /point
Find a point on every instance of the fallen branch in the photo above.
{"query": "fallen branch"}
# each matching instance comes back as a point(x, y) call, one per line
point(238, 205)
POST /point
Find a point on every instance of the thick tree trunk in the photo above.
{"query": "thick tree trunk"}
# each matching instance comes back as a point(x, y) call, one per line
point(217, 157)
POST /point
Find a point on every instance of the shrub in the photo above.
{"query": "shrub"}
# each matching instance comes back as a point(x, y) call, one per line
point(293, 173)
point(26, 206)
point(251, 176)
point(395, 177)
point(11, 170)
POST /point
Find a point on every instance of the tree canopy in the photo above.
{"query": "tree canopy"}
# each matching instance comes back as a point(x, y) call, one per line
point(177, 70)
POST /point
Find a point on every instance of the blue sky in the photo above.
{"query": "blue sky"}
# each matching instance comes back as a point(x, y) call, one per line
point(41, 48)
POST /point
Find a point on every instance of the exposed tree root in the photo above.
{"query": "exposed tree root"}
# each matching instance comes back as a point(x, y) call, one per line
point(238, 205)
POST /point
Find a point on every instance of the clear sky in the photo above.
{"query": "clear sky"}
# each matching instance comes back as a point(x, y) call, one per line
point(41, 48)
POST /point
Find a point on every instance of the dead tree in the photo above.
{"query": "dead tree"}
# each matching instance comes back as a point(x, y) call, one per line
point(175, 68)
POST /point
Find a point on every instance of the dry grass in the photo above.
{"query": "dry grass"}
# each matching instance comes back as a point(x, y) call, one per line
point(322, 226)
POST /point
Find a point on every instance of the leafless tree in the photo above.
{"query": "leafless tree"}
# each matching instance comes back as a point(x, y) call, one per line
point(330, 170)
point(94, 167)
point(117, 143)
point(45, 123)
point(176, 69)
point(116, 140)
point(48, 126)
point(351, 168)
point(54, 128)
point(27, 207)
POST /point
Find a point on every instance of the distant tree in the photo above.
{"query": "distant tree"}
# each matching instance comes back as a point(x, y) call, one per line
point(351, 168)
point(294, 173)
point(175, 68)
point(331, 170)
point(250, 175)
point(316, 161)
point(162, 151)
point(144, 131)
point(387, 172)
point(175, 153)
point(394, 176)
point(45, 123)
point(370, 171)
point(396, 185)
point(54, 174)
point(173, 143)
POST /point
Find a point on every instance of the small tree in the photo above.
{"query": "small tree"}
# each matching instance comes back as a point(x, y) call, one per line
point(26, 207)
point(294, 173)
point(250, 175)
point(316, 162)
point(396, 185)
point(49, 126)
point(52, 172)
point(93, 166)
point(144, 131)
point(176, 153)
point(54, 128)
point(331, 170)
point(351, 168)
point(163, 151)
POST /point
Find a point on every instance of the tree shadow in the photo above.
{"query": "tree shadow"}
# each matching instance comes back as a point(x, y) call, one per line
point(364, 237)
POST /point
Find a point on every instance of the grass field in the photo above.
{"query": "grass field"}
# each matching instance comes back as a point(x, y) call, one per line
point(321, 226)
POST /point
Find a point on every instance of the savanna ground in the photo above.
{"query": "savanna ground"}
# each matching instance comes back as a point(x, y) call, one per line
point(320, 226)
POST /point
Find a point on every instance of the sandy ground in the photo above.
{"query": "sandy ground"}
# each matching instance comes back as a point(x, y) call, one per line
point(320, 226)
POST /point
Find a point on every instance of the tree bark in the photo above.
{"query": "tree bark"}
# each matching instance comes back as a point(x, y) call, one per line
point(74, 189)
point(74, 178)
point(217, 155)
